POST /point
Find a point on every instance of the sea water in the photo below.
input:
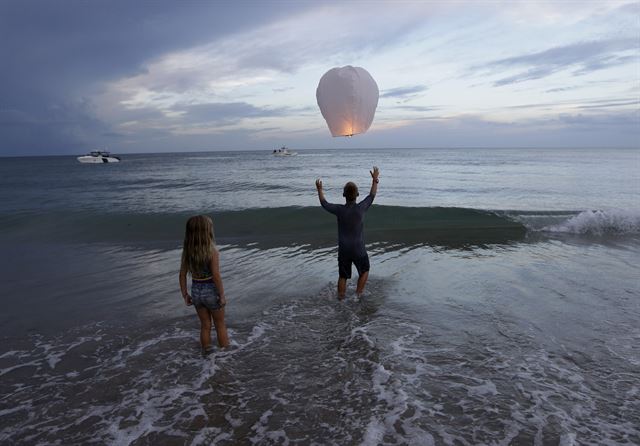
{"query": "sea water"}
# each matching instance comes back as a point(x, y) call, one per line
point(503, 305)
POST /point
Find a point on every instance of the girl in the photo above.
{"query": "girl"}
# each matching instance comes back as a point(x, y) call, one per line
point(200, 257)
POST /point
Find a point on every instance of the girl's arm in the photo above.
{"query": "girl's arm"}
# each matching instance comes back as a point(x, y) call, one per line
point(183, 285)
point(215, 270)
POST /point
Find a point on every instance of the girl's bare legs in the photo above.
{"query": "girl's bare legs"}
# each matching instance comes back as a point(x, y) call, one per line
point(205, 327)
point(221, 327)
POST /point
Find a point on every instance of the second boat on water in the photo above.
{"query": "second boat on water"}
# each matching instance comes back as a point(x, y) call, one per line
point(283, 151)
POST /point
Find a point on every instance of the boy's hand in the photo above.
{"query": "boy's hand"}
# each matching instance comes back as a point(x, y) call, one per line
point(374, 173)
point(187, 299)
point(319, 184)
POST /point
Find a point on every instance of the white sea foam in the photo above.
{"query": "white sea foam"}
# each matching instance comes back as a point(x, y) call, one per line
point(18, 366)
point(11, 353)
point(263, 435)
point(55, 353)
point(488, 388)
point(9, 411)
point(257, 332)
point(568, 439)
point(209, 435)
point(394, 379)
point(374, 433)
point(615, 221)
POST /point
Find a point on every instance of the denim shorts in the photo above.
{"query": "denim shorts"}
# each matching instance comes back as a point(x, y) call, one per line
point(205, 294)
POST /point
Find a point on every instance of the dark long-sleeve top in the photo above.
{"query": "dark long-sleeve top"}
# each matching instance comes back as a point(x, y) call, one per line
point(350, 224)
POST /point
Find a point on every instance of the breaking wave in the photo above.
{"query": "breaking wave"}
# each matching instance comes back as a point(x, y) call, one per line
point(612, 222)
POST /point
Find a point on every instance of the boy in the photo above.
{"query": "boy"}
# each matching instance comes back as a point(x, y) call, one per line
point(351, 247)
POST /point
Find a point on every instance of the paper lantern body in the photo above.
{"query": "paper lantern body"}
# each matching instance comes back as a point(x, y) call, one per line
point(347, 97)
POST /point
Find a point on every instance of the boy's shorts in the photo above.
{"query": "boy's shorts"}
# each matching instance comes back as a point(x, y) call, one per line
point(205, 294)
point(345, 261)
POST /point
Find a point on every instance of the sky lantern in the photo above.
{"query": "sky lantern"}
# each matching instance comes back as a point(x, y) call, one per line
point(347, 97)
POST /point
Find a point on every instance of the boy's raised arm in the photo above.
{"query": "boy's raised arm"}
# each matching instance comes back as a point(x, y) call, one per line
point(374, 182)
point(329, 207)
point(320, 192)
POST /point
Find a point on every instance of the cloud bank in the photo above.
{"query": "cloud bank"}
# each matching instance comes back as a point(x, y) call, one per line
point(164, 75)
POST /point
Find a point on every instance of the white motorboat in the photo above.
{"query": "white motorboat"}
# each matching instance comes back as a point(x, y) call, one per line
point(98, 156)
point(283, 151)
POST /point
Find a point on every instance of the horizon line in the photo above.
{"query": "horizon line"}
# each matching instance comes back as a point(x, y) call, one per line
point(270, 150)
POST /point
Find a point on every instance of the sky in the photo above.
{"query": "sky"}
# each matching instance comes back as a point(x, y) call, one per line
point(170, 76)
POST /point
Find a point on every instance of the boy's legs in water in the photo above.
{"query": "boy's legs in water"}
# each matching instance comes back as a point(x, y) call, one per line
point(342, 287)
point(205, 327)
point(221, 327)
point(342, 284)
point(362, 281)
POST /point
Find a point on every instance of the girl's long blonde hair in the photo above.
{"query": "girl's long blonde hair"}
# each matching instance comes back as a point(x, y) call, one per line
point(199, 243)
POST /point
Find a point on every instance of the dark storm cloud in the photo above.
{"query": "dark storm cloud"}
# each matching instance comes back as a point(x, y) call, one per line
point(61, 125)
point(582, 57)
point(403, 92)
point(54, 54)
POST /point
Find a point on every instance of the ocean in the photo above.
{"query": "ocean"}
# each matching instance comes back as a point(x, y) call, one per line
point(503, 304)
